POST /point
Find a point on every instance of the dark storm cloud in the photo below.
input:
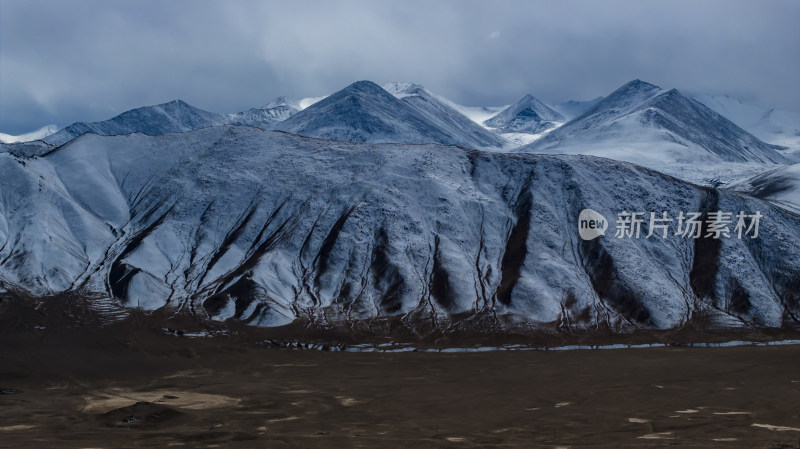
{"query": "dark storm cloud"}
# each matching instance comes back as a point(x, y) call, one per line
point(64, 61)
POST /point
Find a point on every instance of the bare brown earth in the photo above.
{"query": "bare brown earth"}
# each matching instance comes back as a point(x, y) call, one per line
point(68, 381)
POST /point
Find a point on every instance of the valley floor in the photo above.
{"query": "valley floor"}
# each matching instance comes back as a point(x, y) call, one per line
point(74, 386)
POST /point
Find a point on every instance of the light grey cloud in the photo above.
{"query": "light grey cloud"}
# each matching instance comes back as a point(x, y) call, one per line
point(65, 61)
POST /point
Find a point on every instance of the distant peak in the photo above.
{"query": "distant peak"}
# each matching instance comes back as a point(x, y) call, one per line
point(529, 100)
point(176, 102)
point(173, 105)
point(639, 84)
point(637, 87)
point(633, 91)
point(366, 89)
point(283, 101)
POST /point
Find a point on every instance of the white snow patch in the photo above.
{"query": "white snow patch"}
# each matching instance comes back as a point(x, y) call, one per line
point(777, 428)
point(40, 133)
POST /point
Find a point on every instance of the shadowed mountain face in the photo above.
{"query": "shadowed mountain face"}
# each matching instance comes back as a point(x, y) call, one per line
point(266, 227)
point(528, 115)
point(662, 125)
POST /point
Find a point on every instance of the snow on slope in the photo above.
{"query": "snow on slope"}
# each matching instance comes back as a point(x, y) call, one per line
point(780, 186)
point(364, 112)
point(175, 116)
point(178, 116)
point(527, 115)
point(664, 130)
point(770, 125)
point(40, 133)
point(267, 117)
point(478, 114)
point(441, 114)
point(266, 227)
point(308, 101)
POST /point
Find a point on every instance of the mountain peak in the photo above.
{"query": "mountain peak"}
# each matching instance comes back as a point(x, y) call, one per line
point(283, 101)
point(364, 86)
point(176, 102)
point(365, 112)
point(646, 117)
point(629, 95)
point(527, 115)
point(636, 90)
point(170, 117)
point(639, 84)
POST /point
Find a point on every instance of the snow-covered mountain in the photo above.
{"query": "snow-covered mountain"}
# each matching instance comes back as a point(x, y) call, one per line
point(664, 130)
point(175, 116)
point(179, 116)
point(267, 117)
point(478, 114)
point(40, 133)
point(780, 185)
point(770, 125)
point(265, 227)
point(365, 112)
point(528, 115)
point(444, 114)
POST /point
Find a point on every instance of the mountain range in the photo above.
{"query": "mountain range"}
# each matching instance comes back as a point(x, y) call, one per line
point(393, 202)
point(639, 122)
point(239, 223)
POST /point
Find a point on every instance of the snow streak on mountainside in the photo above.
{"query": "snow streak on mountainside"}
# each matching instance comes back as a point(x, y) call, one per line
point(265, 227)
point(528, 115)
point(40, 133)
point(770, 125)
point(660, 129)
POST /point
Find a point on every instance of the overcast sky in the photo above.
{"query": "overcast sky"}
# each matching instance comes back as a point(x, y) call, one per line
point(66, 61)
